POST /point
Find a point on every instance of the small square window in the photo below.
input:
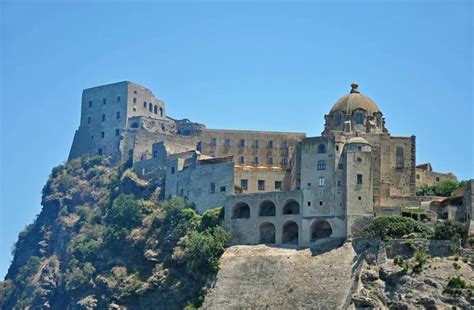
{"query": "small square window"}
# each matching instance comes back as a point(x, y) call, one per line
point(155, 154)
point(278, 185)
point(284, 161)
point(256, 144)
point(261, 185)
point(92, 137)
point(118, 98)
point(244, 184)
point(134, 108)
point(256, 160)
point(270, 160)
point(437, 179)
point(309, 203)
point(320, 203)
point(309, 184)
point(340, 166)
point(360, 198)
point(222, 189)
point(134, 100)
point(241, 159)
point(135, 92)
point(339, 183)
point(213, 141)
point(99, 151)
point(227, 142)
point(285, 144)
point(172, 170)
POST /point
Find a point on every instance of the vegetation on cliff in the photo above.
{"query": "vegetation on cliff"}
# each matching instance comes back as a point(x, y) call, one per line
point(444, 188)
point(104, 240)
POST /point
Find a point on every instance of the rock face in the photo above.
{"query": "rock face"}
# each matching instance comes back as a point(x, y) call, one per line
point(279, 278)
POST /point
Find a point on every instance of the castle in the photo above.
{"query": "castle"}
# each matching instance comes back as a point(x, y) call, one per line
point(276, 187)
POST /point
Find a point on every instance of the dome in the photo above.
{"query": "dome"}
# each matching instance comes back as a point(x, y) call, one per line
point(358, 140)
point(353, 101)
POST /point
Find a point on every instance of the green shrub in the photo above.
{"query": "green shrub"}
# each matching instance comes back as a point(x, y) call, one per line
point(125, 212)
point(212, 218)
point(27, 270)
point(394, 227)
point(457, 282)
point(449, 230)
point(79, 277)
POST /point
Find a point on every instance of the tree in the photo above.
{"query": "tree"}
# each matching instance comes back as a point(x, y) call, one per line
point(449, 230)
point(447, 187)
point(395, 226)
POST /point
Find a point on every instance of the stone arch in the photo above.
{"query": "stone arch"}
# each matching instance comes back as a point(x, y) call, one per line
point(267, 233)
point(267, 208)
point(155, 109)
point(241, 211)
point(150, 107)
point(320, 229)
point(161, 111)
point(291, 207)
point(290, 233)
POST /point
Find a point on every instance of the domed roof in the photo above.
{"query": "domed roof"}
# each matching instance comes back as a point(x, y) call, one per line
point(355, 100)
point(358, 140)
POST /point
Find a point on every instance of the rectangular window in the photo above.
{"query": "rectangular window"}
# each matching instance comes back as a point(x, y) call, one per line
point(99, 151)
point(181, 192)
point(322, 181)
point(340, 166)
point(135, 92)
point(270, 160)
point(172, 170)
point(284, 161)
point(337, 147)
point(222, 189)
point(90, 104)
point(256, 144)
point(134, 108)
point(144, 104)
point(261, 185)
point(309, 203)
point(242, 143)
point(285, 144)
point(117, 115)
point(102, 134)
point(92, 137)
point(270, 144)
point(134, 100)
point(103, 117)
point(320, 203)
point(104, 101)
point(118, 98)
point(339, 183)
point(244, 184)
point(212, 188)
point(117, 132)
point(241, 159)
point(277, 185)
point(359, 179)
point(89, 120)
point(227, 142)
point(213, 141)
point(199, 146)
point(256, 160)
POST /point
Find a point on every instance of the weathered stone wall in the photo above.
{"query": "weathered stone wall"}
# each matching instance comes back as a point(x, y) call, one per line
point(424, 176)
point(270, 175)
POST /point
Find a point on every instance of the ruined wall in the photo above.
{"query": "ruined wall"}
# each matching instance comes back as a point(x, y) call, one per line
point(424, 176)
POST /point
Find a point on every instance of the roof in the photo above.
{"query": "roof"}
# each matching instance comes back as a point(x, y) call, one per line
point(353, 101)
point(217, 160)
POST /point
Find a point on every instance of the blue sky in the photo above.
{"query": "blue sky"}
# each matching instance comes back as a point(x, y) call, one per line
point(242, 65)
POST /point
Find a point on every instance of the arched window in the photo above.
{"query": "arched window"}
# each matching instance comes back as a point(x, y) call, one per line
point(322, 148)
point(241, 211)
point(290, 233)
point(155, 109)
point(267, 233)
point(338, 119)
point(161, 111)
point(320, 229)
point(321, 165)
point(150, 107)
point(291, 207)
point(400, 158)
point(267, 208)
point(359, 118)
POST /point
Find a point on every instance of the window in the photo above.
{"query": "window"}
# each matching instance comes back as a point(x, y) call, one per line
point(270, 144)
point(322, 148)
point(90, 104)
point(340, 166)
point(321, 165)
point(104, 101)
point(144, 104)
point(118, 98)
point(359, 160)
point(359, 118)
point(172, 170)
point(285, 144)
point(360, 198)
point(222, 189)
point(135, 92)
point(256, 160)
point(339, 183)
point(181, 192)
point(212, 188)
point(278, 185)
point(338, 120)
point(89, 120)
point(117, 132)
point(309, 203)
point(399, 157)
point(320, 203)
point(270, 160)
point(99, 151)
point(261, 185)
point(241, 159)
point(227, 142)
point(437, 179)
point(155, 109)
point(134, 108)
point(359, 179)
point(92, 137)
point(150, 107)
point(103, 117)
point(242, 143)
point(337, 147)
point(256, 144)
point(161, 111)
point(322, 181)
point(134, 100)
point(117, 115)
point(134, 125)
point(102, 134)
point(244, 183)
point(284, 160)
point(155, 154)
point(309, 184)
point(213, 141)
point(199, 146)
